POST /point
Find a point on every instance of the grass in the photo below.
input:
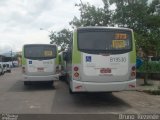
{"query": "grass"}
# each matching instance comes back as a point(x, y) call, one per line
point(153, 91)
point(148, 84)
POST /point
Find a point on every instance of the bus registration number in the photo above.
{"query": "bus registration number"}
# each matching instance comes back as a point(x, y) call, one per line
point(118, 59)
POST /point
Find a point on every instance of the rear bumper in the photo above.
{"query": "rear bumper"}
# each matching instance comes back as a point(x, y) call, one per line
point(78, 86)
point(41, 78)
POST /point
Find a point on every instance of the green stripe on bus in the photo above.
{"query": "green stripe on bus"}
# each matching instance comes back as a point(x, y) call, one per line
point(76, 57)
point(57, 58)
point(23, 59)
point(133, 52)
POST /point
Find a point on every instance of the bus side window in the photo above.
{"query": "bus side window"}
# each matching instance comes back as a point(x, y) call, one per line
point(69, 51)
point(65, 56)
point(60, 59)
point(68, 56)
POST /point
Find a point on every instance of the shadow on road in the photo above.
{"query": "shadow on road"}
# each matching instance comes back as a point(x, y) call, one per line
point(64, 102)
point(98, 100)
point(34, 86)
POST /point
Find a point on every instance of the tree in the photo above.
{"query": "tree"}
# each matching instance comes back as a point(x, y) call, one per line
point(92, 16)
point(89, 16)
point(62, 38)
point(143, 19)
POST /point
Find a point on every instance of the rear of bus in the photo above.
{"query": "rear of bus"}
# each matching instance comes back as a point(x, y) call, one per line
point(103, 60)
point(39, 62)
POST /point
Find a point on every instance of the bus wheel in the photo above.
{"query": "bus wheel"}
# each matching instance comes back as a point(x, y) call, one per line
point(70, 91)
point(51, 83)
point(26, 83)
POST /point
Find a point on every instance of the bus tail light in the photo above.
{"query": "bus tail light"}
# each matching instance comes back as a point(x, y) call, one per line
point(133, 72)
point(57, 69)
point(23, 70)
point(76, 74)
point(133, 68)
point(76, 68)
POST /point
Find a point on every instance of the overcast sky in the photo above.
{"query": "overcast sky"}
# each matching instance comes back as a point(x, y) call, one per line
point(21, 20)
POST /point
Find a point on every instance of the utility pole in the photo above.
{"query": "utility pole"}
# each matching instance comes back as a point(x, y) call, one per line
point(11, 57)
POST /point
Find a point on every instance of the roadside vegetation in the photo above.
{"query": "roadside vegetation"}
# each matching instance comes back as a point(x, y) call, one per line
point(143, 16)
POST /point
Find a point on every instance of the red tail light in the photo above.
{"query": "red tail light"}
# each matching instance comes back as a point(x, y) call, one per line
point(133, 74)
point(23, 70)
point(76, 74)
point(76, 68)
point(133, 68)
point(57, 69)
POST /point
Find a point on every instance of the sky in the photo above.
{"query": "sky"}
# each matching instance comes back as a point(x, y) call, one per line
point(21, 20)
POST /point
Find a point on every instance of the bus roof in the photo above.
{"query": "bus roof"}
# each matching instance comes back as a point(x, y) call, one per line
point(103, 27)
point(39, 44)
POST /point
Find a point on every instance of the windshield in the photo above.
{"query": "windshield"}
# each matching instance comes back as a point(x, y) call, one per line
point(40, 51)
point(104, 40)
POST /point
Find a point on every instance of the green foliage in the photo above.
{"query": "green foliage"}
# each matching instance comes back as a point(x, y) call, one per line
point(154, 91)
point(143, 19)
point(130, 13)
point(153, 67)
point(138, 15)
point(92, 16)
point(61, 38)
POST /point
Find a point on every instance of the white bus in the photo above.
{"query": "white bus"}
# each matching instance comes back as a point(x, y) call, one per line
point(101, 59)
point(40, 63)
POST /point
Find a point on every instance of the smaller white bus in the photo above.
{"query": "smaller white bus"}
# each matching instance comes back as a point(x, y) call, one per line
point(40, 63)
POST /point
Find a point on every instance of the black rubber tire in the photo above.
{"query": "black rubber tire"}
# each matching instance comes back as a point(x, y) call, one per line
point(70, 91)
point(26, 83)
point(51, 83)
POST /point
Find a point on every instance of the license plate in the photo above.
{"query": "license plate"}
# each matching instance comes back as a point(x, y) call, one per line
point(40, 69)
point(118, 44)
point(105, 70)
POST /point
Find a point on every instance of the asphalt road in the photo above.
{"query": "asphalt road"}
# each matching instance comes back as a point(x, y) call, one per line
point(44, 99)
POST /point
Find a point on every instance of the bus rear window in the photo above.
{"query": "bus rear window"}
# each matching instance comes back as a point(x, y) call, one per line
point(114, 41)
point(40, 51)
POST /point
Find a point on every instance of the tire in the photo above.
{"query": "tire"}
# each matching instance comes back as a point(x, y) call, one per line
point(51, 83)
point(26, 83)
point(70, 91)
